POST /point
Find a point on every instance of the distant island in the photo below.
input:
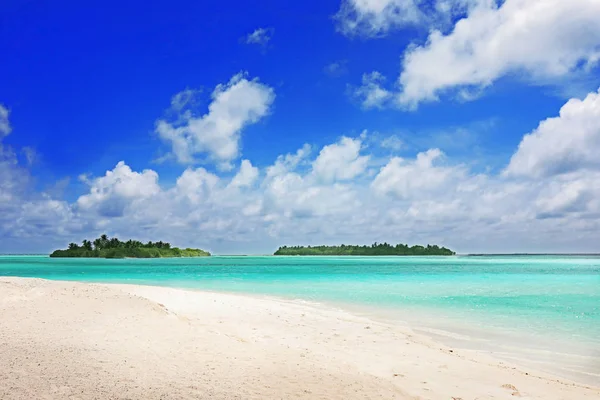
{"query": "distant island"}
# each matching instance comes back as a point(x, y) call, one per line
point(376, 249)
point(105, 247)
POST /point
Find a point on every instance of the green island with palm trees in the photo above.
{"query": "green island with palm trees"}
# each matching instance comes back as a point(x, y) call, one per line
point(376, 249)
point(105, 247)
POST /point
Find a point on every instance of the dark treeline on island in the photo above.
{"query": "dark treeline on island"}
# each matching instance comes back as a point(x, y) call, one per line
point(376, 249)
point(105, 247)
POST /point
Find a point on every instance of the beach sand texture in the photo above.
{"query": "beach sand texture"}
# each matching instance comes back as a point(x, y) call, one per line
point(68, 340)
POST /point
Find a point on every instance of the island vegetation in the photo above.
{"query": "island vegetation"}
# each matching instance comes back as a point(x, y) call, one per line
point(105, 247)
point(376, 249)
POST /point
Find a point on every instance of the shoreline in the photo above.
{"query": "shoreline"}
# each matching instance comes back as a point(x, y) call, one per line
point(550, 355)
point(451, 337)
point(150, 341)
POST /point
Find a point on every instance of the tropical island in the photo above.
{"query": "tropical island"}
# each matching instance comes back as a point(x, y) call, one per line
point(105, 247)
point(376, 249)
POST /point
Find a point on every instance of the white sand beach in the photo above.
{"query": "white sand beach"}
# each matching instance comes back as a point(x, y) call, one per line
point(67, 340)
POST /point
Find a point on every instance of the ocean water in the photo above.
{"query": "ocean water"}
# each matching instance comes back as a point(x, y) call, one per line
point(540, 311)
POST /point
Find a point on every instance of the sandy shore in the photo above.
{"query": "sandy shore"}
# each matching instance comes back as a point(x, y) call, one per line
point(63, 340)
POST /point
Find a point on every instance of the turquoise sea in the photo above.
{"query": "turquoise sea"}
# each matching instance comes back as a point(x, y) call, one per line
point(542, 311)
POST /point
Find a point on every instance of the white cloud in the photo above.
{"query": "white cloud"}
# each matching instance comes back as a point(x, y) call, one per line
point(328, 196)
point(289, 162)
point(574, 194)
point(235, 105)
point(340, 161)
point(260, 36)
point(562, 144)
point(197, 185)
point(110, 194)
point(449, 8)
point(246, 176)
point(431, 198)
point(419, 177)
point(5, 127)
point(292, 196)
point(290, 193)
point(376, 17)
point(541, 39)
point(371, 93)
point(44, 215)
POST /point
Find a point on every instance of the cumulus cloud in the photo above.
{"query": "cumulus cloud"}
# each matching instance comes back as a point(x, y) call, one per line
point(328, 194)
point(431, 198)
point(235, 105)
point(197, 185)
point(574, 194)
point(562, 144)
point(540, 39)
point(246, 176)
point(289, 162)
point(340, 161)
point(419, 177)
point(371, 93)
point(45, 216)
point(260, 36)
point(111, 193)
point(376, 17)
point(291, 192)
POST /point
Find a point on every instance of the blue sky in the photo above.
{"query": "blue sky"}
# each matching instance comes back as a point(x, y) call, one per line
point(447, 121)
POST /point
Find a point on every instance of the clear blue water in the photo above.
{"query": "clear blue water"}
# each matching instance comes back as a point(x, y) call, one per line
point(547, 299)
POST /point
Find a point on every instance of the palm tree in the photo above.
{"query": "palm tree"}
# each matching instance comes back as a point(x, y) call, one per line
point(104, 241)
